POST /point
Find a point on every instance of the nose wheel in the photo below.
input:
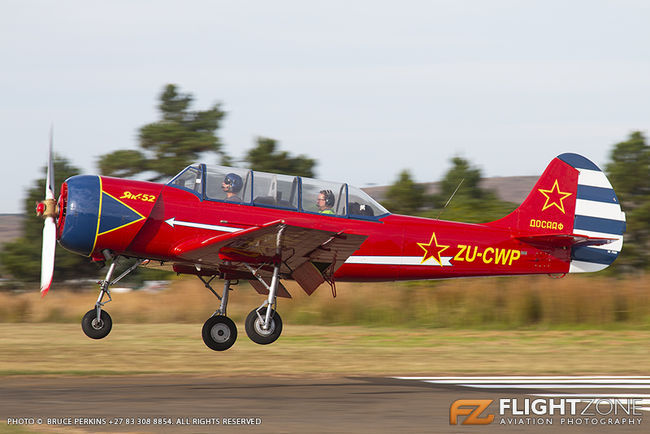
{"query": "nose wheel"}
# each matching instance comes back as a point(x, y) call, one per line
point(96, 327)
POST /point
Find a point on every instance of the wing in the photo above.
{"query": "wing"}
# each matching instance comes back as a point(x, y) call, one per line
point(307, 255)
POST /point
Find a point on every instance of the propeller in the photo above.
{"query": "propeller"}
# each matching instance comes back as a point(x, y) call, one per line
point(47, 209)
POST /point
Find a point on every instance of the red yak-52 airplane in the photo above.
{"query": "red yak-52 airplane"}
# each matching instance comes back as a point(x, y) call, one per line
point(239, 224)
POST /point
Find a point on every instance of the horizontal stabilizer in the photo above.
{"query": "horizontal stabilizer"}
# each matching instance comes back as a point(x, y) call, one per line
point(564, 240)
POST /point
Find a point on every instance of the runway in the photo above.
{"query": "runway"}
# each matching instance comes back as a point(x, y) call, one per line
point(341, 404)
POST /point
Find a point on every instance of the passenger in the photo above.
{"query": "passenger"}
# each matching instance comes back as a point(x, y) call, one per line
point(231, 185)
point(325, 202)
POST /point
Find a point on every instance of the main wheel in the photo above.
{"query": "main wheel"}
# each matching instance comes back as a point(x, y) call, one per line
point(219, 333)
point(254, 328)
point(96, 328)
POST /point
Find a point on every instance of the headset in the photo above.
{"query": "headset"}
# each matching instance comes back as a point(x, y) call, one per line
point(234, 181)
point(329, 197)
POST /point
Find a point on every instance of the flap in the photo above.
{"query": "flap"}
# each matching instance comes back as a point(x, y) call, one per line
point(308, 277)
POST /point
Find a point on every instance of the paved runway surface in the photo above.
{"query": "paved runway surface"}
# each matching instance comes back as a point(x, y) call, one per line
point(353, 404)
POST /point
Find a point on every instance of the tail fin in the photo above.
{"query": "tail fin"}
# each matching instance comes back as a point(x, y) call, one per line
point(572, 205)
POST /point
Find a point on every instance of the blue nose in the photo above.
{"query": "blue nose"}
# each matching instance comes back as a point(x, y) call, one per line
point(82, 211)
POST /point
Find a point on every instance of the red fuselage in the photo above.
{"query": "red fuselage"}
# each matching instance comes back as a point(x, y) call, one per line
point(147, 220)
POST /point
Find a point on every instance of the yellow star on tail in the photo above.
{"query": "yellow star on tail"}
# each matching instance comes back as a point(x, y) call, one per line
point(557, 197)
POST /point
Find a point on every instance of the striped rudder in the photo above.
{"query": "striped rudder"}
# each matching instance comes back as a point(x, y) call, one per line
point(597, 215)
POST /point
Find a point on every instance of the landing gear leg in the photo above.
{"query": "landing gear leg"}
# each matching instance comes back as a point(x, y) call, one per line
point(264, 325)
point(94, 324)
point(97, 323)
point(219, 332)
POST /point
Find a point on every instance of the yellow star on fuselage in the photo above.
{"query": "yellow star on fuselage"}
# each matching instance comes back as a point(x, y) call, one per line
point(432, 250)
point(555, 197)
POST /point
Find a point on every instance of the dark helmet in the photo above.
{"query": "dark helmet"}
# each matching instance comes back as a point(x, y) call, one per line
point(328, 196)
point(234, 181)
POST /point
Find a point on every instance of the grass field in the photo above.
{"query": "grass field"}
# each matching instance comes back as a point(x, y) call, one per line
point(540, 303)
point(529, 325)
point(62, 349)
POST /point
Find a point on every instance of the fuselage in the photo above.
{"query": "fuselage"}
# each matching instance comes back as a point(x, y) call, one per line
point(147, 220)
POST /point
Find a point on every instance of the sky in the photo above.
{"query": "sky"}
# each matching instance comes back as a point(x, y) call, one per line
point(367, 88)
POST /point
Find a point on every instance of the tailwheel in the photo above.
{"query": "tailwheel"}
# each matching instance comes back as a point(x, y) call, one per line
point(96, 327)
point(219, 333)
point(255, 326)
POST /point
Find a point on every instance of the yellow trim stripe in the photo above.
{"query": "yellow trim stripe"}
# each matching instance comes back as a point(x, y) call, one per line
point(124, 225)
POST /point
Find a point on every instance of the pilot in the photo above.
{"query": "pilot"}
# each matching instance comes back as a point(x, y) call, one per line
point(231, 185)
point(325, 202)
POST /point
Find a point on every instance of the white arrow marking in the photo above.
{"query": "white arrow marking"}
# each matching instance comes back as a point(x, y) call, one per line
point(173, 222)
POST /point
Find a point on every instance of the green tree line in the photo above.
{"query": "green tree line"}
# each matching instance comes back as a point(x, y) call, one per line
point(460, 198)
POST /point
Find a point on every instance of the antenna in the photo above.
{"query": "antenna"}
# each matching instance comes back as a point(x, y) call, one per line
point(450, 198)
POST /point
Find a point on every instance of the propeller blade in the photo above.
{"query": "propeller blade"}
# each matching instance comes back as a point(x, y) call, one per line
point(47, 257)
point(48, 210)
point(49, 182)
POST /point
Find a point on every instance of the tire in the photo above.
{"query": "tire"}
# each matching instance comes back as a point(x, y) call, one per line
point(219, 333)
point(94, 328)
point(254, 327)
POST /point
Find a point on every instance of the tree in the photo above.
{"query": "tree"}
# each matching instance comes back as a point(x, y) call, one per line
point(470, 203)
point(265, 158)
point(175, 141)
point(629, 173)
point(404, 196)
point(21, 258)
point(461, 170)
point(125, 163)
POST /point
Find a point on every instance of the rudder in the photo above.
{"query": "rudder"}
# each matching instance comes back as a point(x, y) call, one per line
point(598, 215)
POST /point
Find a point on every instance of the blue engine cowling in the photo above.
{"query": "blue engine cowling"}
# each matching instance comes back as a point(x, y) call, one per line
point(80, 213)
